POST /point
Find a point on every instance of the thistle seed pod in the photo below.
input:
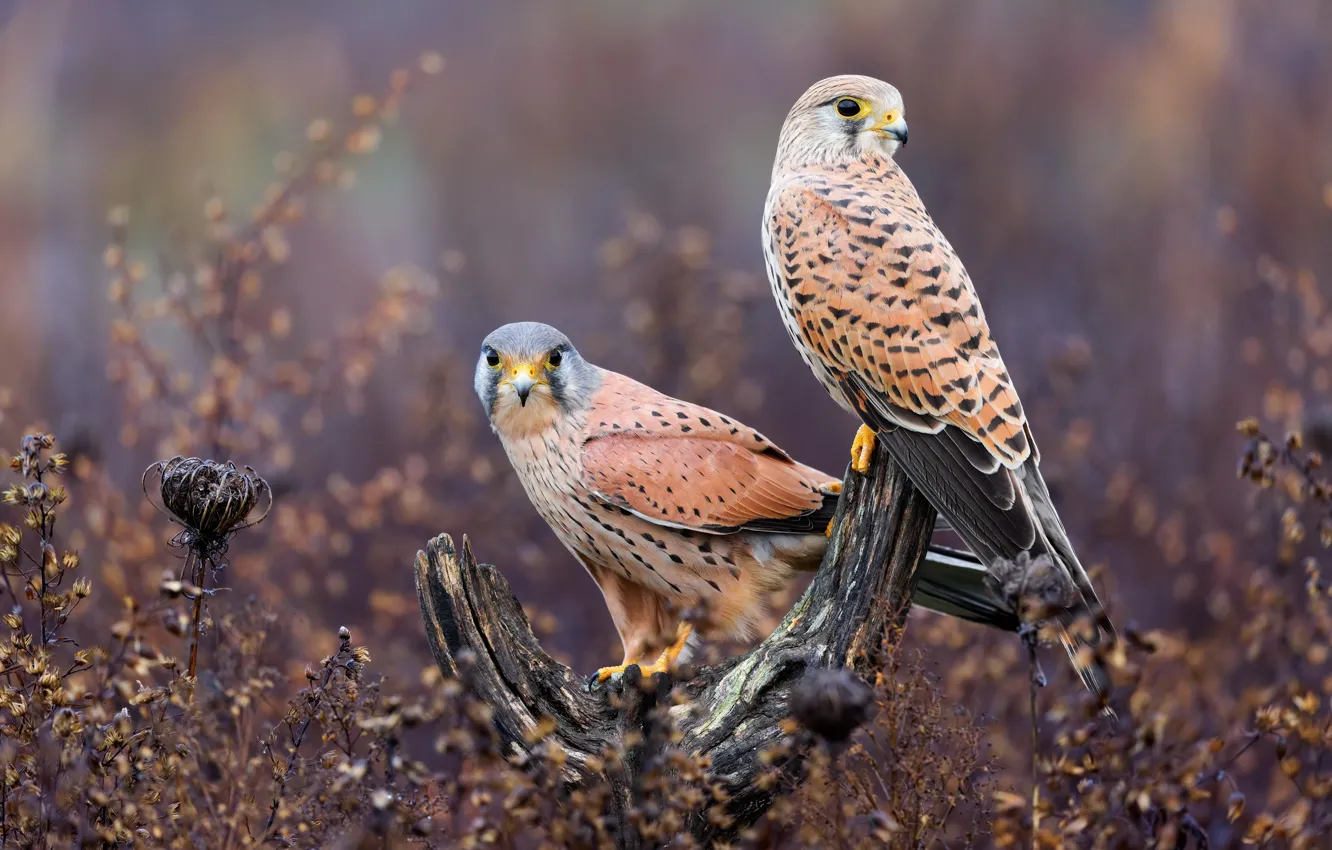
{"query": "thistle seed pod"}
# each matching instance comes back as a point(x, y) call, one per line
point(831, 703)
point(210, 499)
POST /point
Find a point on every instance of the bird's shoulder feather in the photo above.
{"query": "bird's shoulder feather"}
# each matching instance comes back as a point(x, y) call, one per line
point(686, 466)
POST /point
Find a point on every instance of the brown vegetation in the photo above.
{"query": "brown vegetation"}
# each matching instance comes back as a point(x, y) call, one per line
point(290, 733)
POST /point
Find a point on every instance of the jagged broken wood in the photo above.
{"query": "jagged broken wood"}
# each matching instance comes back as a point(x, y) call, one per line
point(862, 589)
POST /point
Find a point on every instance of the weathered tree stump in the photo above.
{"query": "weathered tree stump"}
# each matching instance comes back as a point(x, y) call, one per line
point(844, 619)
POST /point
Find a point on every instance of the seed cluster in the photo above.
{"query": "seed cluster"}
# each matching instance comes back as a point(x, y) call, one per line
point(211, 499)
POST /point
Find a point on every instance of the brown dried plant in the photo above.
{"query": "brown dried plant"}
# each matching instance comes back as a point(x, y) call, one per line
point(212, 501)
point(277, 730)
point(205, 355)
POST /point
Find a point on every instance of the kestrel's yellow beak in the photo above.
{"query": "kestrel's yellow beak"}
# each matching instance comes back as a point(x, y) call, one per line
point(522, 377)
point(893, 125)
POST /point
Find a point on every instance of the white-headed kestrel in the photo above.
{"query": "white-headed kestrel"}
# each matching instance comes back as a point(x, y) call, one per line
point(668, 505)
point(881, 309)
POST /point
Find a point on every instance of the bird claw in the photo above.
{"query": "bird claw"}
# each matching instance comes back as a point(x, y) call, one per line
point(832, 488)
point(606, 674)
point(664, 663)
point(862, 449)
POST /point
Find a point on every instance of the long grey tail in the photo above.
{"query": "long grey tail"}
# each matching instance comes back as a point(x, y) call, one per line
point(954, 582)
point(1086, 626)
point(1004, 515)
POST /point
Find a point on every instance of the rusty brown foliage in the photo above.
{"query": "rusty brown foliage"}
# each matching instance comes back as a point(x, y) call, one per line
point(153, 695)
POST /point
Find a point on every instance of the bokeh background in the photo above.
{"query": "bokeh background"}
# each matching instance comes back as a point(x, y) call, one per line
point(1141, 191)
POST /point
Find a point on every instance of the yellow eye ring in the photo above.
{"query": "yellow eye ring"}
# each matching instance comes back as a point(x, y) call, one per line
point(493, 359)
point(851, 108)
point(554, 360)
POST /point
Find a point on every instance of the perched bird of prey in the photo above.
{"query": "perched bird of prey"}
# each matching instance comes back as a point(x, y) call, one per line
point(668, 505)
point(881, 309)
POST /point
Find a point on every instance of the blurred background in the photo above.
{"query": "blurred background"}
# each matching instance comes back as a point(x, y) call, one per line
point(1141, 191)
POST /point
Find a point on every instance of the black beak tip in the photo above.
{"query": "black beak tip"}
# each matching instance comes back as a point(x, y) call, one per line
point(522, 397)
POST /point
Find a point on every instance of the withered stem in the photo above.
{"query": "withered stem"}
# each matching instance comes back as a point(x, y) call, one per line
point(197, 576)
point(344, 649)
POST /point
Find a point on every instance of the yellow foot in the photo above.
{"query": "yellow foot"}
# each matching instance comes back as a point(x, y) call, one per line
point(667, 658)
point(605, 673)
point(862, 449)
point(832, 487)
point(827, 532)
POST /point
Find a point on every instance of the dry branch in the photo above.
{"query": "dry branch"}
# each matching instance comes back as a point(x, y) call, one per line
point(844, 619)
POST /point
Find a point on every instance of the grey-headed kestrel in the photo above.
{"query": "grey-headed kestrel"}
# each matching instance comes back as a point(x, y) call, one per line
point(881, 309)
point(668, 505)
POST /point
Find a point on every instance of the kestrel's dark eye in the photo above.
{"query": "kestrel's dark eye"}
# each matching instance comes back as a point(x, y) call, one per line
point(848, 108)
point(555, 359)
point(492, 358)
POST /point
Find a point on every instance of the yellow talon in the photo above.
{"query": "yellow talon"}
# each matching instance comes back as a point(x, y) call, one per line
point(663, 663)
point(833, 488)
point(667, 658)
point(605, 673)
point(862, 449)
point(827, 532)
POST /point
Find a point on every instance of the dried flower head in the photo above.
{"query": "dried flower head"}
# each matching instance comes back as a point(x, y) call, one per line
point(831, 703)
point(211, 499)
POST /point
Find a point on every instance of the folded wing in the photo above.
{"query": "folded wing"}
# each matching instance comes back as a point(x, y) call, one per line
point(685, 466)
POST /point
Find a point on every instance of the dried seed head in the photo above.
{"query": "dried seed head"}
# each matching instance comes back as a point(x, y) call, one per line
point(30, 455)
point(1234, 807)
point(831, 703)
point(65, 723)
point(210, 499)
